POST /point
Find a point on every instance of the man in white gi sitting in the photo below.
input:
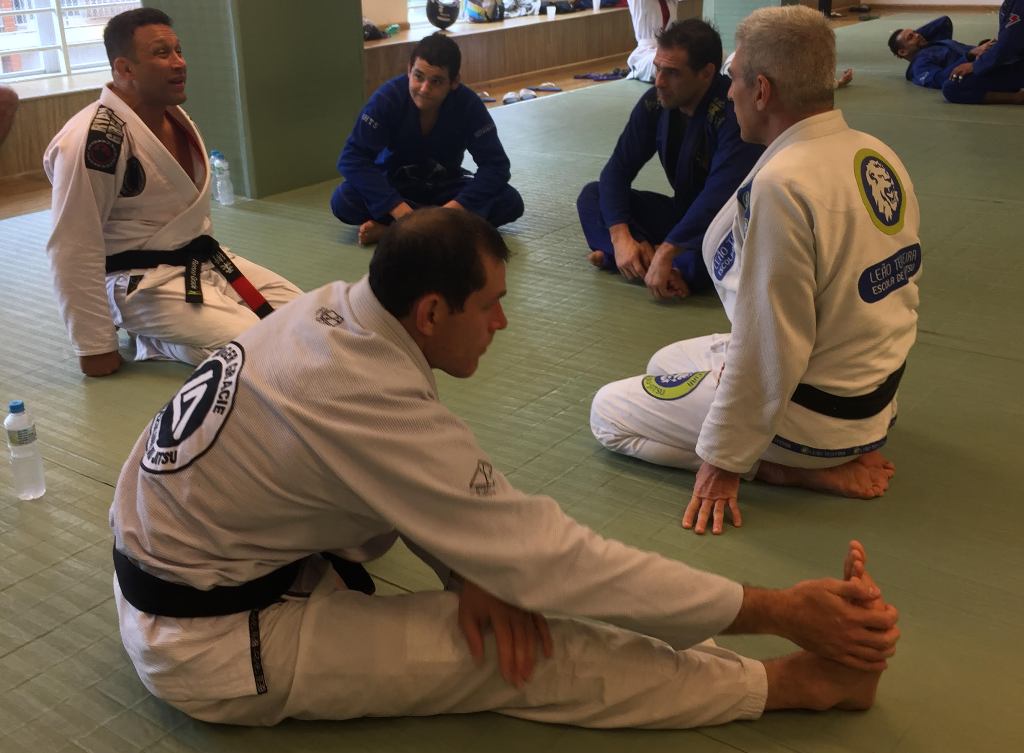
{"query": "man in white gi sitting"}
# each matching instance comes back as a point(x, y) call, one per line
point(131, 244)
point(240, 492)
point(816, 260)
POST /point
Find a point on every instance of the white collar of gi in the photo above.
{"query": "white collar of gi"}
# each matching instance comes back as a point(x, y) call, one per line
point(376, 318)
point(816, 126)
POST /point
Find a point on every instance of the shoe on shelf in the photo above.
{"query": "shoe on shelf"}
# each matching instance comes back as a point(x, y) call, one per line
point(510, 98)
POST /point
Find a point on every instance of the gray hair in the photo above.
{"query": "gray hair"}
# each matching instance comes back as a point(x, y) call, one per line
point(794, 48)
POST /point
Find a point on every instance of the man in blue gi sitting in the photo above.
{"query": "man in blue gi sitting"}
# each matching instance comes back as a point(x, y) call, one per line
point(991, 73)
point(407, 148)
point(688, 121)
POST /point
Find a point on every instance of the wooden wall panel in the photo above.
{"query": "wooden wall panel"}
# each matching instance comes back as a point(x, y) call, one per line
point(36, 123)
point(491, 51)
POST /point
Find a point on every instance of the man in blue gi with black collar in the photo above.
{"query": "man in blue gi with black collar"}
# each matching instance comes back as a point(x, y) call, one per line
point(991, 73)
point(688, 121)
point(407, 148)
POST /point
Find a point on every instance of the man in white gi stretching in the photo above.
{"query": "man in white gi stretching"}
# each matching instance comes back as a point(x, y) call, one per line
point(131, 244)
point(816, 260)
point(242, 490)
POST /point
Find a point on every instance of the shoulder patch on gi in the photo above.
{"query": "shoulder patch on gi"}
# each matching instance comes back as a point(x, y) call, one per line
point(888, 275)
point(1012, 19)
point(650, 100)
point(881, 190)
point(716, 112)
point(103, 144)
point(743, 197)
point(672, 386)
point(134, 178)
point(725, 256)
point(188, 425)
point(483, 479)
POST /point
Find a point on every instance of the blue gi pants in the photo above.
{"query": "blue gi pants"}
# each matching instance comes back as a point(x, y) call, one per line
point(349, 207)
point(652, 216)
point(972, 89)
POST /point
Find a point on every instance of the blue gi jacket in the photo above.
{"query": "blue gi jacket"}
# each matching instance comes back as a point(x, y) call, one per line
point(933, 64)
point(387, 138)
point(1009, 46)
point(711, 164)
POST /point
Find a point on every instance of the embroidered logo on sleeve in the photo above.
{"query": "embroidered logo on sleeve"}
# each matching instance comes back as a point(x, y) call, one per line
point(483, 479)
point(103, 144)
point(725, 257)
point(1011, 20)
point(743, 197)
point(880, 190)
point(134, 178)
point(888, 275)
point(672, 386)
point(188, 425)
point(330, 317)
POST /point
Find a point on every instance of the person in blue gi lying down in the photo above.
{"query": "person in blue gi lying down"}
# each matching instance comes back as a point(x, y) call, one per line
point(687, 120)
point(989, 73)
point(408, 144)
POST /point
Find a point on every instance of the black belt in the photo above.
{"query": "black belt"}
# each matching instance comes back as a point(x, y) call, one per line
point(850, 408)
point(153, 595)
point(191, 256)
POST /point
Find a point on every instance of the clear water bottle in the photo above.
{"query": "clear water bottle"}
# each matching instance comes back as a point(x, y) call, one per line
point(26, 462)
point(223, 190)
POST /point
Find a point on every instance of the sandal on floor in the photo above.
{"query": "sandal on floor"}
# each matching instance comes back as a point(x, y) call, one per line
point(547, 86)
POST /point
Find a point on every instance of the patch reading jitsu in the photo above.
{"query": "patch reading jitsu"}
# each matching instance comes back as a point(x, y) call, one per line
point(725, 257)
point(103, 144)
point(188, 425)
point(483, 479)
point(672, 386)
point(878, 280)
point(880, 190)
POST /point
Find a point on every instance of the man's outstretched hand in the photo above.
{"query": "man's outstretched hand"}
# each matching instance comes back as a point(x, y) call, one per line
point(714, 492)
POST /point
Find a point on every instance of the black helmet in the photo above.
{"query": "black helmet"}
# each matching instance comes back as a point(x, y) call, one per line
point(442, 13)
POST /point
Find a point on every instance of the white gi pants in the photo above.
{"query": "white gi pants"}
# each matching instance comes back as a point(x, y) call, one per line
point(341, 654)
point(167, 327)
point(648, 20)
point(626, 418)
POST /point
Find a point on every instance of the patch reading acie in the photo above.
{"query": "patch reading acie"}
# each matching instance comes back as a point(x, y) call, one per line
point(188, 425)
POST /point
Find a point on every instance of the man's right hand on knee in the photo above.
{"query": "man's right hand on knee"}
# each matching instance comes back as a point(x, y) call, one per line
point(102, 364)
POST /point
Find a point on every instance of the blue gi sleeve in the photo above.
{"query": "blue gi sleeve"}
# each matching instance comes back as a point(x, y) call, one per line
point(730, 163)
point(1009, 46)
point(930, 68)
point(937, 30)
point(371, 135)
point(636, 145)
point(493, 167)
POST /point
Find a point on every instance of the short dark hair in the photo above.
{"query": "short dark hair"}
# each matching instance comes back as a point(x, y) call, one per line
point(701, 40)
point(119, 34)
point(894, 43)
point(433, 250)
point(440, 50)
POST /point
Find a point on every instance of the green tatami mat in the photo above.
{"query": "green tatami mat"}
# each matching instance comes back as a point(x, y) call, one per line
point(943, 543)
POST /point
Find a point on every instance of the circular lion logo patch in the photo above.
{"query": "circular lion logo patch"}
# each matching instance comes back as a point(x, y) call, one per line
point(880, 190)
point(188, 425)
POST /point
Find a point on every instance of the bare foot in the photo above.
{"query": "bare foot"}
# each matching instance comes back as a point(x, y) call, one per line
point(805, 681)
point(864, 477)
point(845, 78)
point(370, 232)
point(596, 258)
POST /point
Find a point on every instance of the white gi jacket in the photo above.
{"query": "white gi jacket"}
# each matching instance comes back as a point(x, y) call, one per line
point(320, 429)
point(816, 261)
point(115, 188)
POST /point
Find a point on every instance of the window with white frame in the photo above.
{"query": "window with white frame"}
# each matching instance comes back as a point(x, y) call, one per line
point(41, 38)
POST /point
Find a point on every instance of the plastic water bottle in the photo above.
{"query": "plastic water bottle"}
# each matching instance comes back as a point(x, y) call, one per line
point(26, 462)
point(223, 190)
